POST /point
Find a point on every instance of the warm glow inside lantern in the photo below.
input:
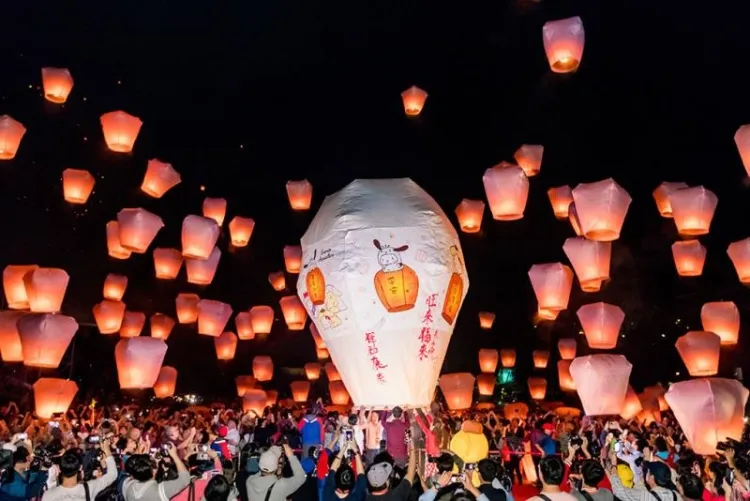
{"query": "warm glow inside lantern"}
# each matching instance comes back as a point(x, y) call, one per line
point(739, 253)
point(262, 368)
point(166, 383)
point(294, 312)
point(213, 317)
point(161, 326)
point(120, 130)
point(552, 283)
point(199, 236)
point(240, 230)
point(529, 158)
point(138, 228)
point(590, 260)
point(508, 357)
point(312, 371)
point(563, 376)
point(186, 305)
point(414, 99)
point(560, 198)
point(601, 382)
point(11, 133)
point(77, 185)
point(244, 383)
point(699, 351)
point(45, 337)
point(689, 257)
point(537, 388)
point(226, 346)
point(742, 140)
point(114, 286)
point(262, 319)
point(160, 178)
point(53, 396)
point(563, 44)
point(139, 361)
point(567, 348)
point(277, 280)
point(469, 214)
point(573, 219)
point(45, 289)
point(132, 324)
point(661, 196)
point(601, 324)
point(486, 384)
point(10, 341)
point(601, 208)
point(458, 390)
point(540, 358)
point(319, 343)
point(244, 326)
point(13, 286)
point(215, 208)
point(300, 194)
point(488, 360)
point(631, 406)
point(293, 258)
point(693, 210)
point(255, 401)
point(486, 319)
point(332, 373)
point(723, 319)
point(300, 391)
point(114, 248)
point(507, 189)
point(322, 353)
point(339, 395)
point(109, 315)
point(57, 84)
point(167, 263)
point(202, 271)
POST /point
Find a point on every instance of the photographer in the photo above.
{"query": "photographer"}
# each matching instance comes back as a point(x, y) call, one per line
point(71, 484)
point(268, 485)
point(341, 482)
point(592, 473)
point(142, 486)
point(19, 483)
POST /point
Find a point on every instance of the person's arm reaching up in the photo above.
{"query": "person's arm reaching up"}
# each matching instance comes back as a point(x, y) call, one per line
point(170, 488)
point(290, 485)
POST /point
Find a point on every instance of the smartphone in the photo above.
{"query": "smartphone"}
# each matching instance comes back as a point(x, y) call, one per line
point(94, 439)
point(54, 424)
point(165, 450)
point(730, 476)
point(349, 435)
point(153, 450)
point(204, 448)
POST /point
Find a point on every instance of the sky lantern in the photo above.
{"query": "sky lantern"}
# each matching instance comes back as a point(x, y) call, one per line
point(551, 283)
point(486, 384)
point(601, 324)
point(339, 395)
point(397, 296)
point(294, 312)
point(199, 236)
point(109, 315)
point(45, 337)
point(469, 214)
point(45, 289)
point(203, 271)
point(244, 326)
point(590, 260)
point(564, 377)
point(537, 387)
point(53, 396)
point(300, 391)
point(138, 228)
point(215, 208)
point(508, 357)
point(689, 257)
point(132, 323)
point(262, 319)
point(240, 230)
point(114, 286)
point(213, 317)
point(739, 253)
point(114, 248)
point(540, 358)
point(166, 382)
point(661, 196)
point(601, 382)
point(160, 178)
point(10, 341)
point(14, 287)
point(529, 158)
point(575, 223)
point(507, 189)
point(631, 406)
point(563, 44)
point(601, 208)
point(262, 368)
point(458, 390)
point(723, 319)
point(120, 130)
point(57, 84)
point(186, 305)
point(742, 140)
point(299, 193)
point(139, 361)
point(567, 348)
point(226, 345)
point(312, 371)
point(322, 353)
point(650, 403)
point(77, 185)
point(255, 400)
point(319, 343)
point(161, 325)
point(272, 397)
point(11, 133)
point(293, 258)
point(167, 263)
point(414, 99)
point(693, 209)
point(699, 351)
point(332, 373)
point(277, 280)
point(560, 198)
point(486, 319)
point(708, 410)
point(244, 383)
point(488, 360)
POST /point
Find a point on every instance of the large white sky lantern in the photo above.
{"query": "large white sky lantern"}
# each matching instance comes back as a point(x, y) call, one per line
point(392, 275)
point(601, 382)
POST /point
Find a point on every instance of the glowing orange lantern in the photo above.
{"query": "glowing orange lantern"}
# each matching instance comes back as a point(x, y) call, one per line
point(601, 208)
point(114, 286)
point(537, 388)
point(661, 197)
point(739, 253)
point(541, 358)
point(109, 316)
point(300, 194)
point(293, 258)
point(199, 236)
point(277, 280)
point(10, 341)
point(312, 371)
point(529, 158)
point(742, 140)
point(567, 348)
point(166, 383)
point(215, 208)
point(332, 373)
point(186, 305)
point(120, 130)
point(160, 178)
point(213, 317)
point(322, 353)
point(57, 84)
point(53, 396)
point(488, 360)
point(508, 358)
point(11, 133)
point(563, 376)
point(45, 337)
point(139, 361)
point(272, 396)
point(663, 404)
point(45, 288)
point(244, 326)
point(601, 382)
point(226, 345)
point(723, 319)
point(244, 384)
point(601, 324)
point(132, 324)
point(693, 209)
point(262, 319)
point(699, 351)
point(77, 185)
point(319, 343)
point(590, 260)
point(262, 368)
point(203, 271)
point(507, 189)
point(414, 99)
point(13, 286)
point(551, 283)
point(560, 198)
point(689, 257)
point(138, 228)
point(339, 395)
point(458, 390)
point(294, 312)
point(240, 230)
point(631, 406)
point(469, 214)
point(486, 384)
point(161, 326)
point(255, 400)
point(167, 263)
point(486, 319)
point(300, 391)
point(563, 44)
point(114, 248)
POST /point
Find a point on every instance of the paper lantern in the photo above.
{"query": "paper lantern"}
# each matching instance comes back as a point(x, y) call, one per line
point(601, 324)
point(215, 208)
point(11, 133)
point(693, 210)
point(199, 236)
point(322, 353)
point(294, 313)
point(262, 368)
point(244, 326)
point(166, 382)
point(300, 194)
point(244, 384)
point(139, 361)
point(573, 219)
point(138, 228)
point(293, 258)
point(226, 345)
point(277, 280)
point(631, 406)
point(508, 358)
point(114, 286)
point(53, 396)
point(486, 384)
point(167, 263)
point(300, 391)
point(13, 286)
point(312, 371)
point(563, 44)
point(537, 388)
point(45, 289)
point(45, 338)
point(319, 343)
point(590, 260)
point(255, 401)
point(120, 130)
point(540, 358)
point(160, 177)
point(272, 397)
point(240, 230)
point(650, 404)
point(458, 390)
point(332, 373)
point(742, 140)
point(390, 306)
point(203, 271)
point(262, 319)
point(414, 99)
point(689, 257)
point(486, 319)
point(601, 208)
point(709, 410)
point(10, 341)
point(567, 348)
point(488, 360)
point(739, 253)
point(551, 283)
point(339, 395)
point(77, 185)
point(507, 189)
point(186, 305)
point(161, 326)
point(114, 248)
point(469, 214)
point(723, 319)
point(109, 315)
point(601, 382)
point(699, 351)
point(529, 158)
point(564, 377)
point(57, 84)
point(661, 197)
point(132, 324)
point(663, 404)
point(213, 317)
point(560, 198)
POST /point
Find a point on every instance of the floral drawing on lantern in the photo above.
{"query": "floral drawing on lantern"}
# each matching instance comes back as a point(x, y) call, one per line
point(315, 281)
point(455, 291)
point(396, 284)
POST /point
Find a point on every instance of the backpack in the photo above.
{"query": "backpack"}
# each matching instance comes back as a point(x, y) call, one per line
point(112, 492)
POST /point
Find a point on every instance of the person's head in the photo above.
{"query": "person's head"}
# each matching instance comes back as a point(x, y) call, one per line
point(592, 473)
point(71, 464)
point(140, 467)
point(548, 428)
point(716, 472)
point(374, 417)
point(353, 418)
point(435, 408)
point(135, 434)
point(444, 462)
point(639, 444)
point(660, 444)
point(344, 479)
point(172, 433)
point(379, 476)
point(232, 424)
point(487, 471)
point(551, 470)
point(690, 486)
point(269, 461)
point(21, 459)
point(217, 489)
point(658, 474)
point(397, 412)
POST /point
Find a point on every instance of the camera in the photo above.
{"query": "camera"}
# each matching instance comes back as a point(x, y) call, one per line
point(739, 447)
point(576, 442)
point(93, 439)
point(42, 459)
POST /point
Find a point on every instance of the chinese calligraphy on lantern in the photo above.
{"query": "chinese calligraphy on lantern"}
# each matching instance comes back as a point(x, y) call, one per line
point(427, 335)
point(376, 365)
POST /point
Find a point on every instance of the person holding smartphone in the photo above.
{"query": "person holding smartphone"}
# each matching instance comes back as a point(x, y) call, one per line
point(142, 486)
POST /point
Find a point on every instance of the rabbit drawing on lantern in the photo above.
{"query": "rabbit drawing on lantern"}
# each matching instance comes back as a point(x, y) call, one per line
point(396, 284)
point(328, 313)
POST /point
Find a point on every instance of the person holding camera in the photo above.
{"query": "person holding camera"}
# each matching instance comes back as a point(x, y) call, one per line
point(71, 485)
point(19, 482)
point(342, 482)
point(142, 484)
point(592, 473)
point(268, 485)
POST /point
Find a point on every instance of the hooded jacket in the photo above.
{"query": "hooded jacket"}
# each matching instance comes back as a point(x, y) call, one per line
point(258, 484)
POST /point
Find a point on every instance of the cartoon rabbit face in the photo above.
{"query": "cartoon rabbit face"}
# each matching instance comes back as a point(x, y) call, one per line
point(389, 258)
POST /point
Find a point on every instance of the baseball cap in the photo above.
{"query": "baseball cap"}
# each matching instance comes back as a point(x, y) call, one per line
point(269, 460)
point(548, 426)
point(378, 474)
point(221, 431)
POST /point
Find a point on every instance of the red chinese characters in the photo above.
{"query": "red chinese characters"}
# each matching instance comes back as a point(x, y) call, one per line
point(376, 364)
point(428, 335)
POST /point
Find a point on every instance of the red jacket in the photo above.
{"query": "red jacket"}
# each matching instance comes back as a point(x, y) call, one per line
point(430, 439)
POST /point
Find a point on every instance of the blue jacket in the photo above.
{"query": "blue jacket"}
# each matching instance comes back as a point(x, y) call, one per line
point(23, 486)
point(310, 430)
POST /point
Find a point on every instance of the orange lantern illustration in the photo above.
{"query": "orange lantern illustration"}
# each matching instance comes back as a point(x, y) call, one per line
point(167, 263)
point(454, 293)
point(13, 286)
point(262, 368)
point(293, 258)
point(215, 208)
point(563, 44)
point(661, 196)
point(244, 384)
point(563, 376)
point(693, 209)
point(739, 253)
point(689, 257)
point(294, 312)
point(166, 383)
point(45, 288)
point(631, 406)
point(601, 324)
point(469, 214)
point(255, 400)
point(132, 324)
point(213, 317)
point(319, 343)
point(507, 189)
point(396, 284)
point(508, 358)
point(537, 388)
point(161, 326)
point(186, 305)
point(488, 360)
point(10, 341)
point(590, 260)
point(541, 358)
point(277, 280)
point(567, 348)
point(139, 361)
point(529, 158)
point(339, 395)
point(414, 99)
point(262, 319)
point(11, 133)
point(560, 198)
point(486, 384)
point(300, 391)
point(57, 84)
point(332, 373)
point(160, 178)
point(551, 283)
point(601, 382)
point(109, 316)
point(312, 371)
point(45, 338)
point(114, 248)
point(575, 223)
point(240, 230)
point(53, 396)
point(322, 353)
point(486, 319)
point(114, 286)
point(300, 194)
point(723, 319)
point(699, 351)
point(458, 390)
point(226, 345)
point(138, 228)
point(203, 271)
point(315, 283)
point(244, 326)
point(120, 130)
point(199, 236)
point(601, 208)
point(77, 185)
point(742, 140)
